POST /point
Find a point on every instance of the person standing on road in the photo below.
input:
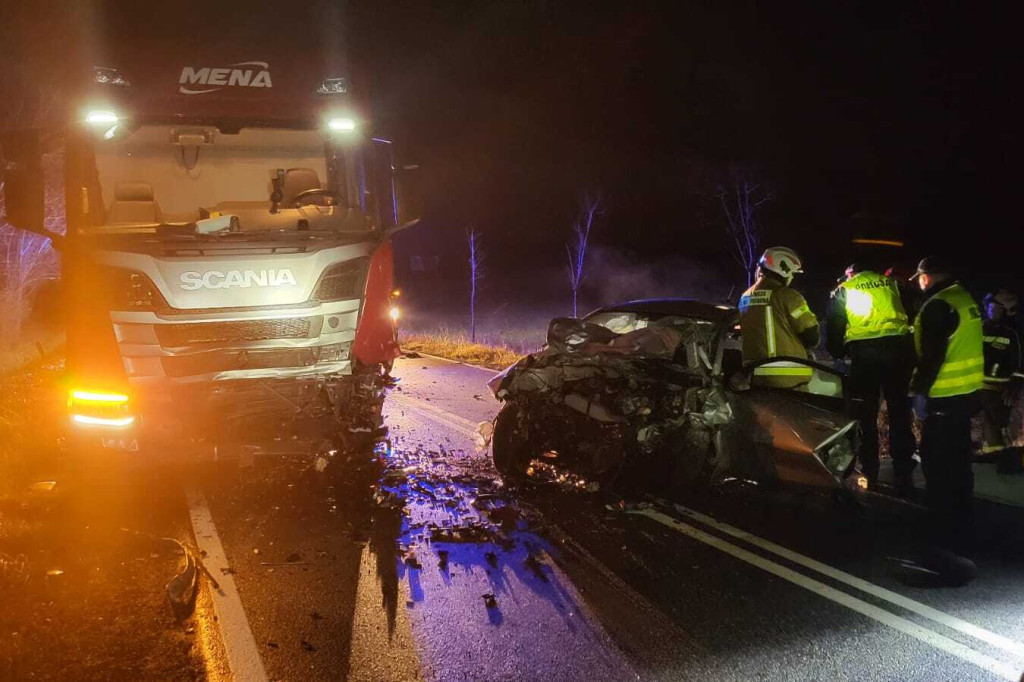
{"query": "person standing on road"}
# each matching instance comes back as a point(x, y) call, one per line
point(947, 378)
point(867, 322)
point(1002, 375)
point(776, 321)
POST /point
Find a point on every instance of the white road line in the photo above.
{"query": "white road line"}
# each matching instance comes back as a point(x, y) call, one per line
point(991, 638)
point(891, 620)
point(243, 654)
point(454, 362)
point(453, 421)
point(962, 626)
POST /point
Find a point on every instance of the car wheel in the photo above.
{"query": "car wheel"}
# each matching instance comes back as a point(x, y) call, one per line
point(510, 444)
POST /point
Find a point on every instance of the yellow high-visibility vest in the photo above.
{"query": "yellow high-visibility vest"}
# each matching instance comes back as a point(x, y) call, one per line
point(963, 370)
point(873, 308)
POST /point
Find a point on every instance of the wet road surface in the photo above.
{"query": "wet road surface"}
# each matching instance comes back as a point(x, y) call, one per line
point(423, 566)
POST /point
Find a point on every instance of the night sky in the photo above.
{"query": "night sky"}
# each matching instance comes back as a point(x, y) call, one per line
point(906, 116)
point(856, 114)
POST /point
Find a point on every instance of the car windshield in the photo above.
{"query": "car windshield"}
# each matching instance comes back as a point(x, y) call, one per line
point(625, 321)
point(251, 180)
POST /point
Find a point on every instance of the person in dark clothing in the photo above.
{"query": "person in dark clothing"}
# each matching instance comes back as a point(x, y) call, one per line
point(945, 384)
point(1002, 378)
point(867, 322)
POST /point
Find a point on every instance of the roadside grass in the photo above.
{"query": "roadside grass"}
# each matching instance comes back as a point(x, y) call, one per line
point(459, 347)
point(15, 355)
point(30, 407)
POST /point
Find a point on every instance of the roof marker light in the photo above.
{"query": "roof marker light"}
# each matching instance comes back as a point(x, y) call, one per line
point(345, 124)
point(106, 76)
point(333, 86)
point(101, 117)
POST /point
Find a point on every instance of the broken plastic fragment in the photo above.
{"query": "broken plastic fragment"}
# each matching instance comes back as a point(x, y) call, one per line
point(482, 437)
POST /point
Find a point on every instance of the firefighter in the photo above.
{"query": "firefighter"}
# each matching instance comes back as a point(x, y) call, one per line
point(776, 322)
point(868, 322)
point(947, 378)
point(1002, 376)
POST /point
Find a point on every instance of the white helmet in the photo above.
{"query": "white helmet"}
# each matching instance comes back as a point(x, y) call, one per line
point(782, 261)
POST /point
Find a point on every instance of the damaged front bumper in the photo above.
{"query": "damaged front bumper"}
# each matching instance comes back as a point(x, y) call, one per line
point(656, 400)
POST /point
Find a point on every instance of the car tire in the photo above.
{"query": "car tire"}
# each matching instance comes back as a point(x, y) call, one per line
point(510, 444)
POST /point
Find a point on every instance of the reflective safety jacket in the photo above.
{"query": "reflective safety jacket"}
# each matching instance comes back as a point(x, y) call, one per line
point(950, 318)
point(871, 307)
point(776, 321)
point(1002, 354)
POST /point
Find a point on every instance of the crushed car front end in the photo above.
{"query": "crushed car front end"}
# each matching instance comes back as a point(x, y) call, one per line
point(651, 405)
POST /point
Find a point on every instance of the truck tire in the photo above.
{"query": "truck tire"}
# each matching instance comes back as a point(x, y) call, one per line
point(510, 444)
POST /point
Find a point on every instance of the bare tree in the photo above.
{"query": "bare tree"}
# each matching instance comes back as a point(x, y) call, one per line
point(576, 249)
point(476, 273)
point(741, 200)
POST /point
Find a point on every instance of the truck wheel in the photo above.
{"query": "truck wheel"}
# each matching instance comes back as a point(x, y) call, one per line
point(510, 444)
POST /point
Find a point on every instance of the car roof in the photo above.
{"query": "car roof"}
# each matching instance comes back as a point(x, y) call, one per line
point(686, 307)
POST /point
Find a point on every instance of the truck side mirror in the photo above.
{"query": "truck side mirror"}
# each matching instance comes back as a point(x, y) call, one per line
point(24, 196)
point(409, 199)
point(397, 205)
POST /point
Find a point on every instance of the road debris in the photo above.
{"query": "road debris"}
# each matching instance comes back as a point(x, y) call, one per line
point(536, 567)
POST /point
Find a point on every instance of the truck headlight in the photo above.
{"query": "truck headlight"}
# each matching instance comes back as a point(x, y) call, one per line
point(341, 281)
point(131, 290)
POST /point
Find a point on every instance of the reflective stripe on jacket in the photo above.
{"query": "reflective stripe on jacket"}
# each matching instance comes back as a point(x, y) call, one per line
point(772, 318)
point(873, 307)
point(962, 370)
point(1002, 353)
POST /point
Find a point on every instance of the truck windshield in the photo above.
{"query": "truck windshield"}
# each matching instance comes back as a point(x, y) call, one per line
point(271, 180)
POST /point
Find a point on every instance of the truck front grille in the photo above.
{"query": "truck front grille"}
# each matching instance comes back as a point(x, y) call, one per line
point(177, 335)
point(225, 361)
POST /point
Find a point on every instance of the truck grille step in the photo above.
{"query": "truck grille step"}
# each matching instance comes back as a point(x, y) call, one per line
point(225, 361)
point(188, 334)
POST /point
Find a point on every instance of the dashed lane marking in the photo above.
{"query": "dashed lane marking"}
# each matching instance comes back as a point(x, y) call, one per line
point(242, 652)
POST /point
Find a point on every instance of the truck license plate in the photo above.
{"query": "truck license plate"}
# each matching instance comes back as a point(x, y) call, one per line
point(131, 444)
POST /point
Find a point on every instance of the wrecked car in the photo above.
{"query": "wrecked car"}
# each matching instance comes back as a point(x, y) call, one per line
point(655, 393)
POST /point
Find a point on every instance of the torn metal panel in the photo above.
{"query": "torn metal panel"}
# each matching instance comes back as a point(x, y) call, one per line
point(654, 398)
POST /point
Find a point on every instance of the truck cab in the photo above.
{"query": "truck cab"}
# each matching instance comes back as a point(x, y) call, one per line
point(226, 267)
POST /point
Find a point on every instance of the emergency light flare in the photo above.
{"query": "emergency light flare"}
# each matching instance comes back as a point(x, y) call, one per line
point(394, 313)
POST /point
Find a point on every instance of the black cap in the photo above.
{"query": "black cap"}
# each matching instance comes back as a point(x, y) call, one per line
point(932, 265)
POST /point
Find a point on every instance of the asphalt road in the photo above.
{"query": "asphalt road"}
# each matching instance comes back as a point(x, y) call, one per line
point(428, 569)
